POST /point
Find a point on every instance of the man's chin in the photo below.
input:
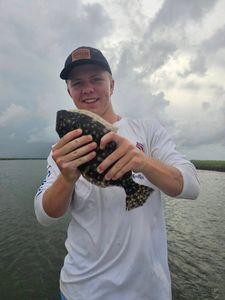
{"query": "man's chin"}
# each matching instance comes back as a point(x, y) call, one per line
point(91, 106)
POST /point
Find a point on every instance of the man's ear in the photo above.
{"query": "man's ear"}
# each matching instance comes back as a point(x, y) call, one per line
point(112, 84)
point(68, 91)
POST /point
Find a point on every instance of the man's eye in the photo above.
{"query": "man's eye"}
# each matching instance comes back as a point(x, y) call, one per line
point(76, 83)
point(97, 79)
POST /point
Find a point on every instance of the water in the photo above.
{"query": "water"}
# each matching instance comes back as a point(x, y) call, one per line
point(31, 255)
point(196, 240)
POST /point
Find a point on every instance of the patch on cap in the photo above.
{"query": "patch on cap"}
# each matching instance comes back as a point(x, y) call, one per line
point(81, 53)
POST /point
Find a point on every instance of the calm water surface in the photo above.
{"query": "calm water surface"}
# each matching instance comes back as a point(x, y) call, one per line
point(31, 255)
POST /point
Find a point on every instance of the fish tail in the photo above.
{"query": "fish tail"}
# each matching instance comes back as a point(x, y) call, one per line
point(137, 196)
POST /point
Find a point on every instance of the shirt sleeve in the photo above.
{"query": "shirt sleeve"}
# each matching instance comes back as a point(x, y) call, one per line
point(52, 174)
point(163, 148)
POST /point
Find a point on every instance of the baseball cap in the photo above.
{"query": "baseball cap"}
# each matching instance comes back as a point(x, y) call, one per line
point(84, 55)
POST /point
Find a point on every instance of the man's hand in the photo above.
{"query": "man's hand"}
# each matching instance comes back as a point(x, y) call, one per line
point(126, 157)
point(73, 150)
point(129, 158)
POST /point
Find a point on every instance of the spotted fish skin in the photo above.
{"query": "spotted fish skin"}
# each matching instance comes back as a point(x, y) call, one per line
point(91, 124)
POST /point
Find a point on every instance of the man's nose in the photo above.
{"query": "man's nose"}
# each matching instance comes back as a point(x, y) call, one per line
point(88, 88)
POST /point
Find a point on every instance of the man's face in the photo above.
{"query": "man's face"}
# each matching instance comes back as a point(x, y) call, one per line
point(91, 88)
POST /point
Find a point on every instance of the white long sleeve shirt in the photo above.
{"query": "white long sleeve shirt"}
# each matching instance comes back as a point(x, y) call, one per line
point(115, 254)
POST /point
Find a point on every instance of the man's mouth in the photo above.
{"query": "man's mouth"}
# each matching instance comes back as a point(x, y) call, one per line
point(90, 100)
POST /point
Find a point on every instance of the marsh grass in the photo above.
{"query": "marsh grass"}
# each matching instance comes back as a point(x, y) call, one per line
point(211, 165)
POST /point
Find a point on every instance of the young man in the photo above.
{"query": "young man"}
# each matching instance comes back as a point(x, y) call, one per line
point(112, 253)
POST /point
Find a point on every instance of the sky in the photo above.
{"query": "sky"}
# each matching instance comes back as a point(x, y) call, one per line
point(167, 59)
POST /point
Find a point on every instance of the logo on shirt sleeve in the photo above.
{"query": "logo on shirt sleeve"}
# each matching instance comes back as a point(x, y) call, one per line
point(42, 186)
point(140, 146)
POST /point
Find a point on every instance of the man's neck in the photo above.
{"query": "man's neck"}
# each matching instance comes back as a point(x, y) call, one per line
point(113, 118)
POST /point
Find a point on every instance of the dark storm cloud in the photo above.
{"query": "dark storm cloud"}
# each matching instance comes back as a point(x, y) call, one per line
point(36, 37)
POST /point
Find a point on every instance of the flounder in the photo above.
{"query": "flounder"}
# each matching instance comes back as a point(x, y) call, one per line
point(92, 124)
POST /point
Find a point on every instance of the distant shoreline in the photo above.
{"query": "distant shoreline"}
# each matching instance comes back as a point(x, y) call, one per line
point(209, 165)
point(23, 158)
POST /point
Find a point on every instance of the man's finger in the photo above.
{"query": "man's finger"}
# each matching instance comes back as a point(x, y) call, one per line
point(108, 137)
point(67, 138)
point(112, 158)
point(119, 168)
point(77, 153)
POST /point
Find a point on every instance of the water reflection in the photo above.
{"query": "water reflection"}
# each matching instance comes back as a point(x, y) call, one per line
point(31, 256)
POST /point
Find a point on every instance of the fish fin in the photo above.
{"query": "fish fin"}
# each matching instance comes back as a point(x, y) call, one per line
point(138, 197)
point(96, 117)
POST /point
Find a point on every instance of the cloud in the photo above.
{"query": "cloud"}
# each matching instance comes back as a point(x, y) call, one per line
point(133, 95)
point(80, 25)
point(167, 58)
point(13, 116)
point(167, 33)
point(205, 105)
point(181, 11)
point(215, 42)
point(209, 129)
point(197, 66)
point(43, 135)
point(201, 133)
